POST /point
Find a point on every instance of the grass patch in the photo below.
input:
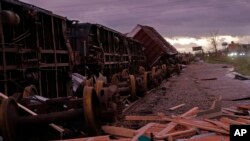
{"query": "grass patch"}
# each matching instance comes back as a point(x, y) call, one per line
point(240, 63)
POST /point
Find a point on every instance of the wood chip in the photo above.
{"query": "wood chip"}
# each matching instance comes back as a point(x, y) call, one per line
point(177, 106)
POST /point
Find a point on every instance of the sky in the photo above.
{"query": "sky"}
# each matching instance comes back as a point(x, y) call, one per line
point(184, 23)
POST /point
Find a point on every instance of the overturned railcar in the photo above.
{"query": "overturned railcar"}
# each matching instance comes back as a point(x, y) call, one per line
point(34, 51)
point(157, 49)
point(100, 49)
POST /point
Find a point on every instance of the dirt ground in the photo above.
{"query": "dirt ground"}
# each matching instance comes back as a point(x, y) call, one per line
point(197, 86)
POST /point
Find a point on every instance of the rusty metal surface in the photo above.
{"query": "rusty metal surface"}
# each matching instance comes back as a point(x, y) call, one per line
point(33, 50)
point(155, 45)
point(102, 49)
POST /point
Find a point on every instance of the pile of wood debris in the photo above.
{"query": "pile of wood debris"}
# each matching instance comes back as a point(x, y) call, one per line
point(189, 126)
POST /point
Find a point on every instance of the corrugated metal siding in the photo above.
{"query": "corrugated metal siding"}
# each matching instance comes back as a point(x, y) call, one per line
point(152, 49)
point(155, 45)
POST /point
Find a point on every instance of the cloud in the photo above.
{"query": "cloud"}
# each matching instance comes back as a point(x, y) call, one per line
point(171, 18)
point(183, 23)
point(185, 44)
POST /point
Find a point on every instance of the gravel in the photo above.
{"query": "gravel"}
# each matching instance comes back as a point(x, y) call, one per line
point(193, 87)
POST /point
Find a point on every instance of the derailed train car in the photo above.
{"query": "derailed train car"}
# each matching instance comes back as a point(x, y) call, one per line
point(40, 55)
point(41, 50)
point(35, 60)
point(157, 50)
point(36, 67)
point(100, 49)
point(34, 51)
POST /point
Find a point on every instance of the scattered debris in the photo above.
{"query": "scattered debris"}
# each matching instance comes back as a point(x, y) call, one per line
point(241, 77)
point(224, 66)
point(185, 127)
point(240, 99)
point(177, 106)
point(213, 78)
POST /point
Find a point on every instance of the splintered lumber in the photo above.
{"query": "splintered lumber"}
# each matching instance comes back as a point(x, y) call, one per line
point(230, 121)
point(178, 134)
point(141, 131)
point(97, 138)
point(219, 124)
point(169, 127)
point(234, 111)
point(119, 131)
point(230, 110)
point(177, 106)
point(199, 125)
point(191, 112)
point(172, 125)
point(237, 116)
point(243, 120)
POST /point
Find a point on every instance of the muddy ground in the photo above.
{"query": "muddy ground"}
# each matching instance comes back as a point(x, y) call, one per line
point(197, 86)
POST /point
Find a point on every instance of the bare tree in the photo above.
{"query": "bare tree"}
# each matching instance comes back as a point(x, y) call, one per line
point(213, 40)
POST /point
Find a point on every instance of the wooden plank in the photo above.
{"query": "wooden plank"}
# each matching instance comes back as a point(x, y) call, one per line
point(190, 112)
point(178, 134)
point(212, 115)
point(195, 124)
point(243, 120)
point(97, 138)
point(230, 110)
point(172, 125)
point(233, 110)
point(237, 116)
point(177, 106)
point(214, 110)
point(219, 124)
point(230, 121)
point(198, 125)
point(142, 130)
point(119, 131)
point(246, 107)
point(227, 112)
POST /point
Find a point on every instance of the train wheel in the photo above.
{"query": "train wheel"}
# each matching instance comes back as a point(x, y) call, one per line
point(153, 72)
point(8, 116)
point(30, 91)
point(164, 67)
point(125, 74)
point(91, 109)
point(89, 82)
point(133, 86)
point(99, 86)
point(145, 81)
point(115, 79)
point(141, 70)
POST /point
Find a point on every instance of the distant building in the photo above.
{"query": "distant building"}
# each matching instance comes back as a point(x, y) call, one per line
point(156, 47)
point(238, 49)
